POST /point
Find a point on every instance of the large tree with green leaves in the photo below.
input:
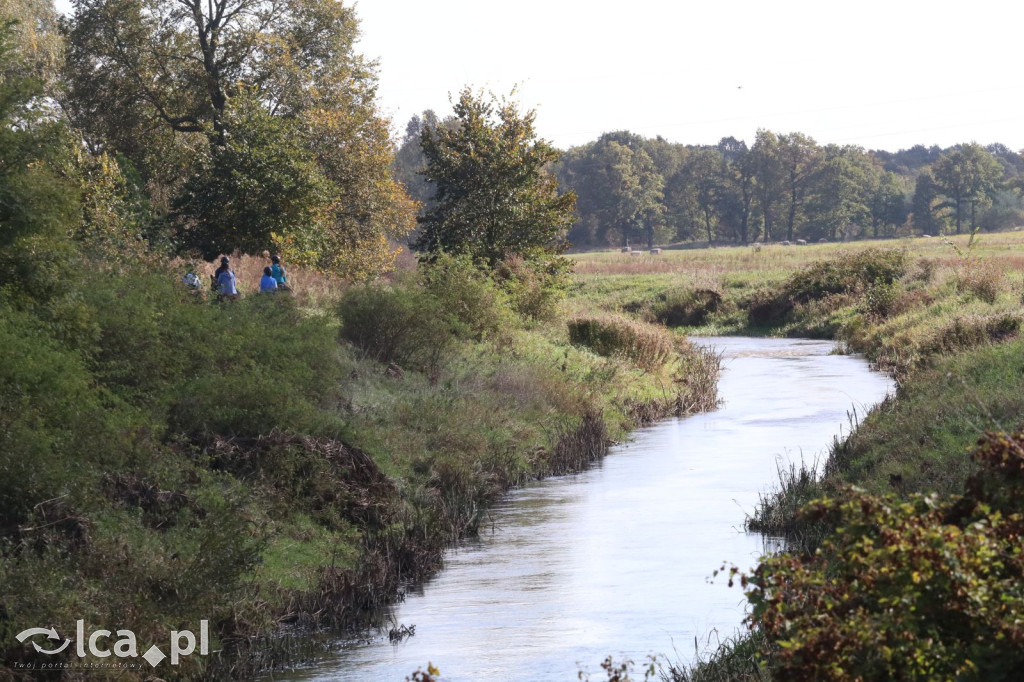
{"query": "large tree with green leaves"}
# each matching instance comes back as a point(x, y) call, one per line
point(968, 176)
point(925, 204)
point(840, 200)
point(801, 158)
point(888, 203)
point(619, 189)
point(770, 176)
point(704, 172)
point(494, 193)
point(736, 199)
point(35, 197)
point(253, 97)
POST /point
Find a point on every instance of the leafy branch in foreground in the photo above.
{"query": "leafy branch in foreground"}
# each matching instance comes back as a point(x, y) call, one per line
point(919, 589)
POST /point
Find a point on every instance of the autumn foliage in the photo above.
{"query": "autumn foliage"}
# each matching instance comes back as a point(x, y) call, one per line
point(922, 589)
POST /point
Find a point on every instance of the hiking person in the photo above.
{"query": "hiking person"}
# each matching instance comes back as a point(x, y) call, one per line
point(225, 280)
point(267, 282)
point(224, 261)
point(278, 273)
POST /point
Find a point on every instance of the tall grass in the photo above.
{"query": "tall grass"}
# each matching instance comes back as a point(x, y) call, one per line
point(615, 336)
point(310, 287)
point(737, 658)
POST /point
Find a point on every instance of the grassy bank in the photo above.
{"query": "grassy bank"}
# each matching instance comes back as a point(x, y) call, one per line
point(943, 315)
point(285, 464)
point(895, 545)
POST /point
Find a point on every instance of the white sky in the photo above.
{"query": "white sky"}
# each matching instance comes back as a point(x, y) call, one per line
point(884, 74)
point(881, 74)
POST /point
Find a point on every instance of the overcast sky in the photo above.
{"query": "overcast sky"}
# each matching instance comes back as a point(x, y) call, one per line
point(884, 74)
point(881, 74)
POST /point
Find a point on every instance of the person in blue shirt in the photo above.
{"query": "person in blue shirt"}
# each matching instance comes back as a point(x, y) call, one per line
point(215, 277)
point(277, 272)
point(226, 281)
point(267, 282)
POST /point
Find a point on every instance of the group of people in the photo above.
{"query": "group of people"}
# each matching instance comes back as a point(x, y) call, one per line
point(274, 277)
point(223, 280)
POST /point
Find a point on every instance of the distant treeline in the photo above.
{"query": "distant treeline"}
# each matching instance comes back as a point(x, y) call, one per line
point(640, 191)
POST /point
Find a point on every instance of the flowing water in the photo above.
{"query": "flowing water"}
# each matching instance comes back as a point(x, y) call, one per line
point(617, 560)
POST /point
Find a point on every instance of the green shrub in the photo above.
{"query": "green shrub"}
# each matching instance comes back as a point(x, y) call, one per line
point(825, 285)
point(51, 416)
point(466, 292)
point(880, 300)
point(647, 346)
point(849, 273)
point(240, 403)
point(399, 324)
point(534, 290)
point(768, 306)
point(688, 308)
point(920, 589)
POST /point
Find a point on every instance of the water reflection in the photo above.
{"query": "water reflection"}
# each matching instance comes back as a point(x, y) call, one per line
point(616, 560)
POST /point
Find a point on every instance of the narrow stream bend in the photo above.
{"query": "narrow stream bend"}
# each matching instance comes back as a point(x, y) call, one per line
point(616, 560)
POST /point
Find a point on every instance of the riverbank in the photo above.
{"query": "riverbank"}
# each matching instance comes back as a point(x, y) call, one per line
point(944, 318)
point(614, 561)
point(277, 464)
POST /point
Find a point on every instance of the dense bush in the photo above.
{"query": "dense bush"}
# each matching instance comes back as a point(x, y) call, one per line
point(50, 411)
point(397, 324)
point(829, 282)
point(897, 592)
point(970, 331)
point(980, 279)
point(849, 273)
point(534, 289)
point(920, 589)
point(468, 294)
point(688, 308)
point(768, 306)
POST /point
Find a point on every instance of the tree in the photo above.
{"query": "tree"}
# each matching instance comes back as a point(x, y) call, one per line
point(739, 190)
point(704, 171)
point(770, 178)
point(842, 192)
point(800, 159)
point(967, 174)
point(494, 196)
point(925, 204)
point(35, 199)
point(410, 162)
point(38, 202)
point(619, 190)
point(888, 203)
point(258, 184)
point(37, 47)
point(155, 81)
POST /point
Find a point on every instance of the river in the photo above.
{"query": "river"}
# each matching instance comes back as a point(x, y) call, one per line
point(617, 560)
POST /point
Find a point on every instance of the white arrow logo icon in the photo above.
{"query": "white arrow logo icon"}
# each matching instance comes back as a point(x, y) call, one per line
point(50, 634)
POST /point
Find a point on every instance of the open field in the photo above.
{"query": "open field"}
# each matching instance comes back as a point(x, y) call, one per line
point(612, 279)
